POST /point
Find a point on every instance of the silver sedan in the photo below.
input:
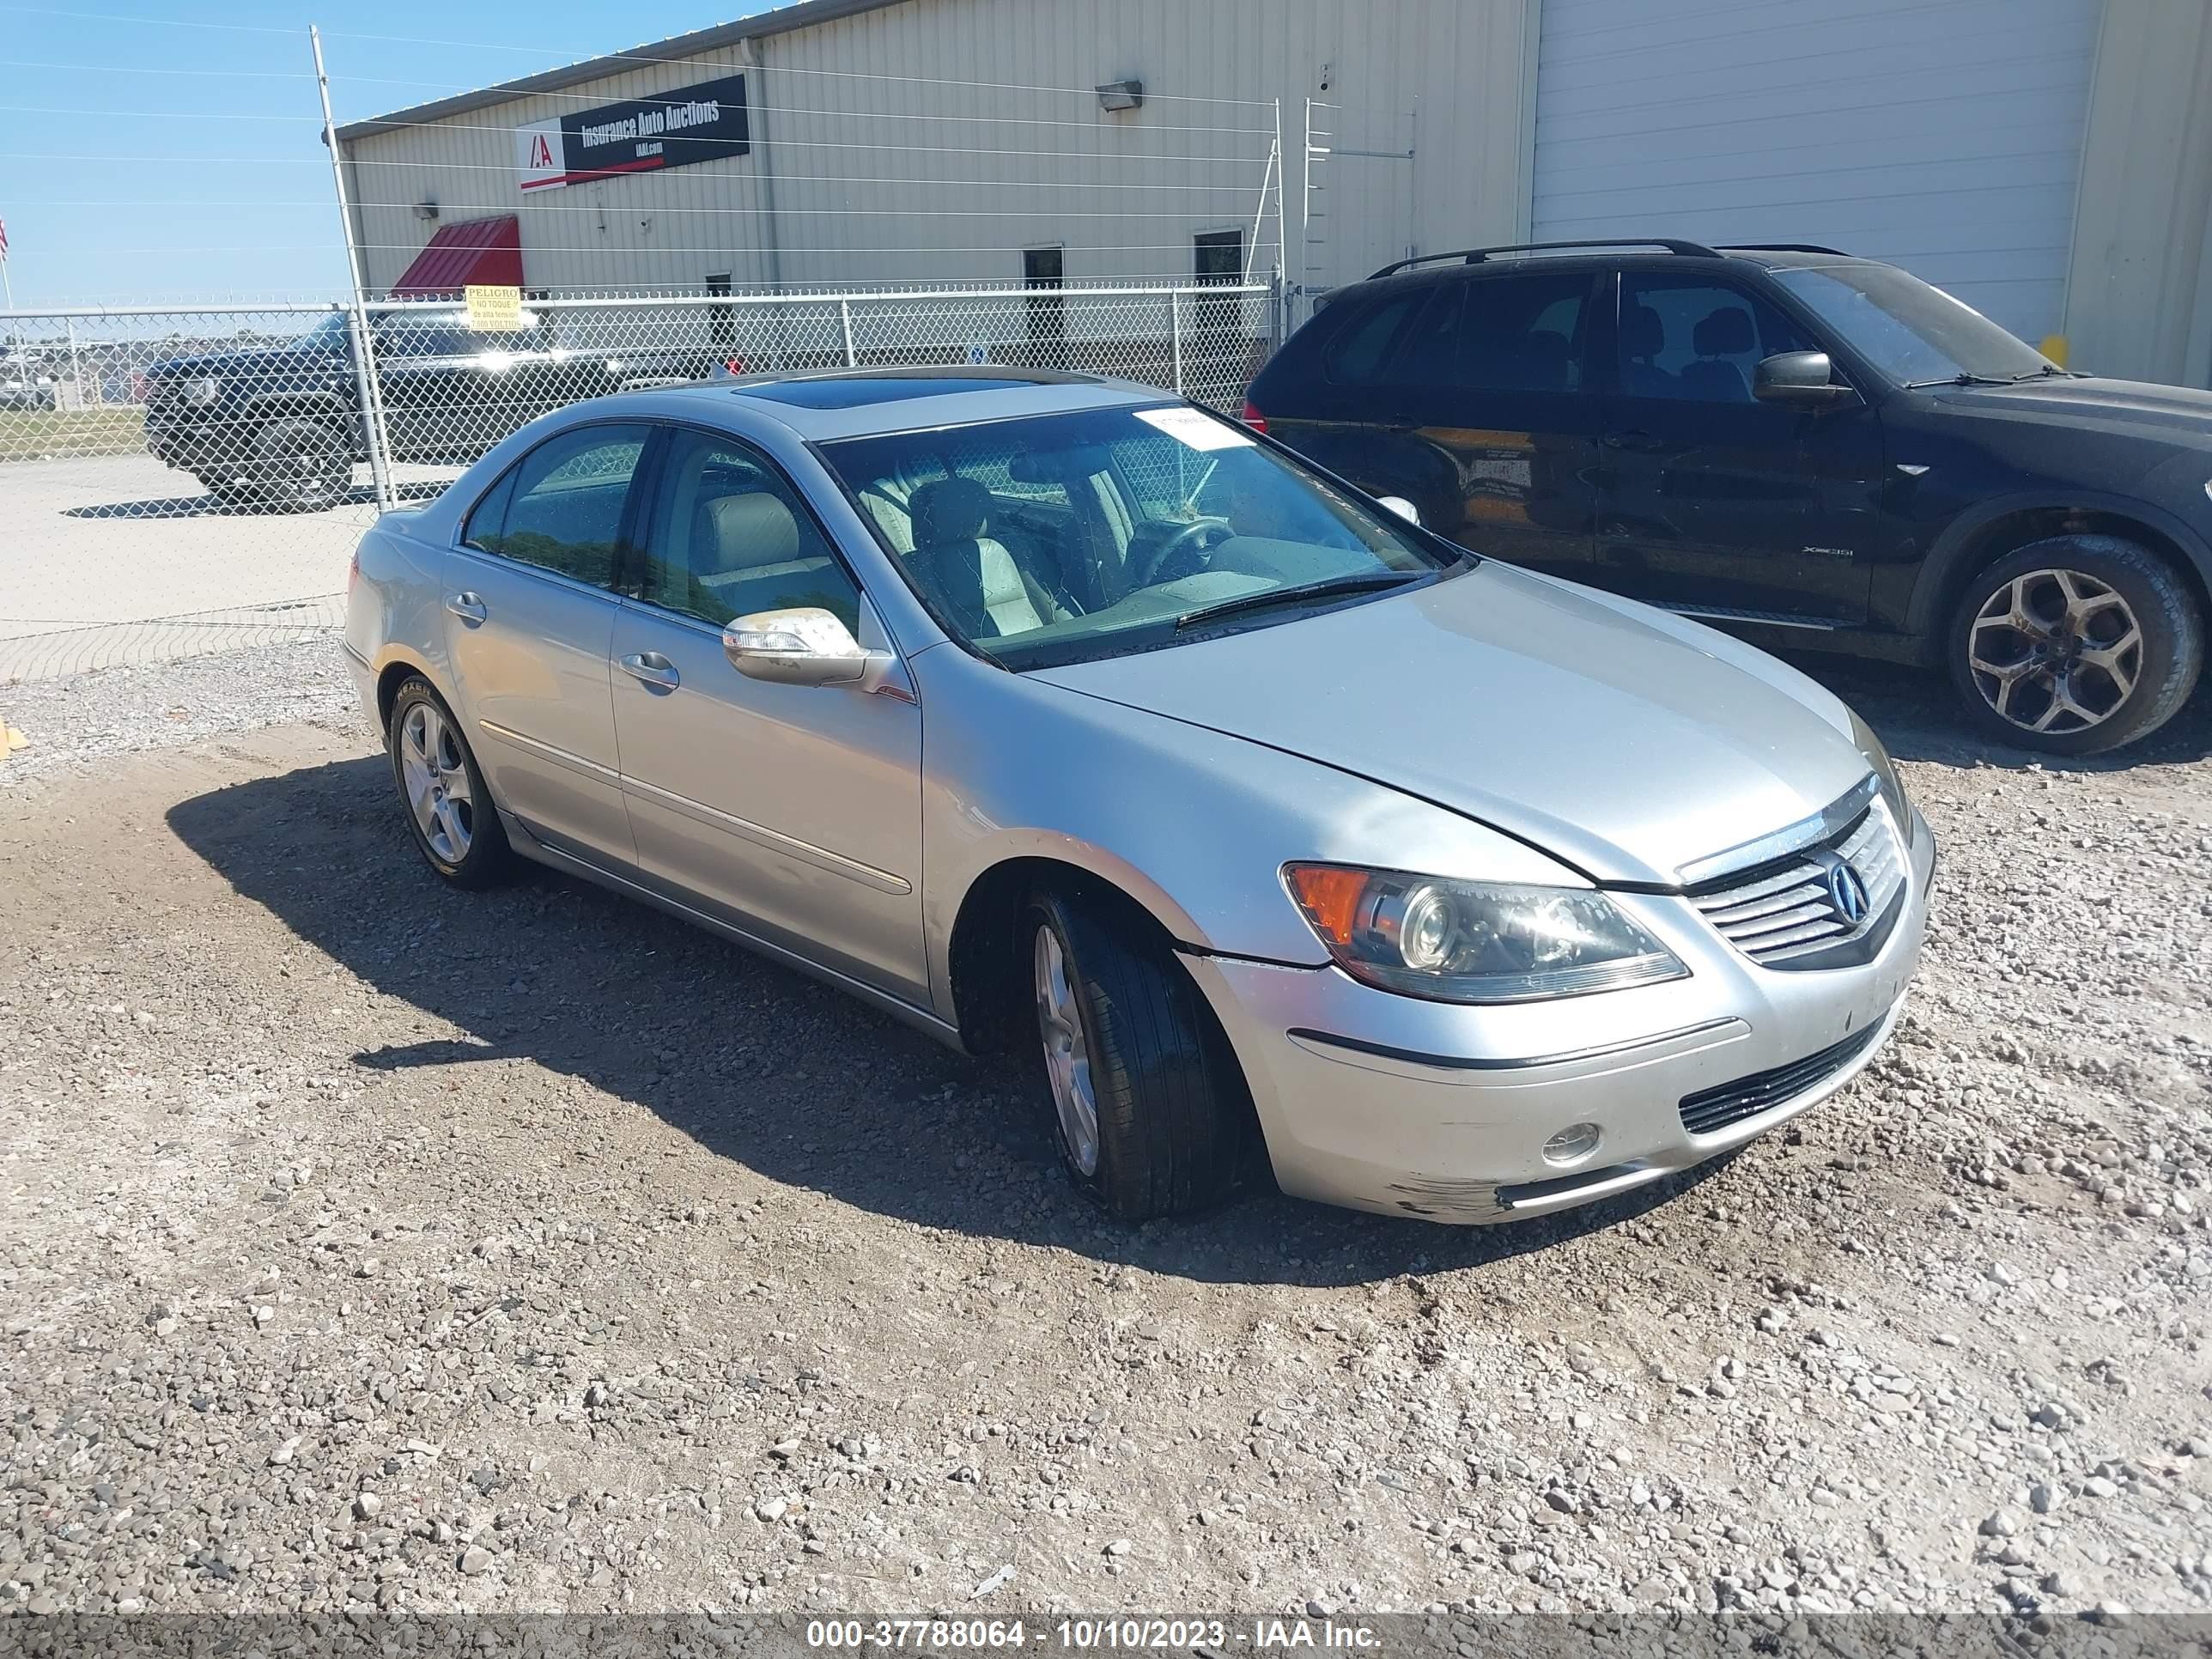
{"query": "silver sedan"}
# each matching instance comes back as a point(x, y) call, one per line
point(1053, 713)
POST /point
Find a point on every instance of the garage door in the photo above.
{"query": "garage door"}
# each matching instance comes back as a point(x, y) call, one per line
point(1945, 135)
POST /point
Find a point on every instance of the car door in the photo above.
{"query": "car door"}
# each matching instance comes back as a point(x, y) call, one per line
point(791, 812)
point(1710, 499)
point(1492, 381)
point(530, 613)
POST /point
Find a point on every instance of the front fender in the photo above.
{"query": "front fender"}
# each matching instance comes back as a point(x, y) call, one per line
point(1192, 824)
point(1955, 545)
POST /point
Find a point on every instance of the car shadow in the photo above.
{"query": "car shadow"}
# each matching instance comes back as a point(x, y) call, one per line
point(211, 506)
point(1917, 714)
point(757, 1063)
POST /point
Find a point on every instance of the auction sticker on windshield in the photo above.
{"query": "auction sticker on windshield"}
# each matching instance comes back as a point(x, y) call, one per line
point(1187, 426)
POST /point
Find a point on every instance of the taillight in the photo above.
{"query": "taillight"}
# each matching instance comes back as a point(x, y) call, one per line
point(1252, 417)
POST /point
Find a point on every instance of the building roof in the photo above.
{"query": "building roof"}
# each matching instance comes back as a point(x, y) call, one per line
point(761, 24)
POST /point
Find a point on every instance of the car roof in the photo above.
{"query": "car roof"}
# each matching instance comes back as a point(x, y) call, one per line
point(1446, 269)
point(862, 402)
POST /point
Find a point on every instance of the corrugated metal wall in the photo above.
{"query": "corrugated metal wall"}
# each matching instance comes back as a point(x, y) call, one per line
point(934, 140)
point(1944, 136)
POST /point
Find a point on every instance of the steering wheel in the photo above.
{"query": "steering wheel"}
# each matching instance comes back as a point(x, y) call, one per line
point(1183, 554)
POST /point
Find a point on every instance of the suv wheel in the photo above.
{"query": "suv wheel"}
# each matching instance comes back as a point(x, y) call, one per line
point(302, 465)
point(2075, 645)
point(1149, 1107)
point(456, 826)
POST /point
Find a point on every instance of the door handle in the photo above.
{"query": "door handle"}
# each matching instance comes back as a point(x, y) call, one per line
point(1641, 440)
point(653, 668)
point(467, 606)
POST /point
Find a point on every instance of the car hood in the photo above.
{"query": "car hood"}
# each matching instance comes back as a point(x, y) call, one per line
point(255, 360)
point(1625, 742)
point(2180, 413)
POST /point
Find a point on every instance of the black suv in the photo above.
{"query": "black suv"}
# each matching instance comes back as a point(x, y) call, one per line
point(1816, 450)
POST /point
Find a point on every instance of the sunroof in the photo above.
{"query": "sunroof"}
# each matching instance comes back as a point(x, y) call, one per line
point(832, 392)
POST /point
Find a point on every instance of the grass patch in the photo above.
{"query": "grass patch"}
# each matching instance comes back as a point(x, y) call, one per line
point(56, 434)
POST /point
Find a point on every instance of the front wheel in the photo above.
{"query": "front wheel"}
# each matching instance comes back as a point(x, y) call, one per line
point(1149, 1107)
point(2075, 645)
point(301, 467)
point(457, 828)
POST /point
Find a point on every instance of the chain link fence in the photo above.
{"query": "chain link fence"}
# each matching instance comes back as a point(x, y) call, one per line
point(184, 481)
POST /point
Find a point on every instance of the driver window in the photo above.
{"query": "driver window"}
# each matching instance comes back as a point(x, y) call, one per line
point(730, 537)
point(1696, 340)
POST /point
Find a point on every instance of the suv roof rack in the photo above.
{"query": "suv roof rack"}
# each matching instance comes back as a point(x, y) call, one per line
point(1783, 248)
point(1475, 256)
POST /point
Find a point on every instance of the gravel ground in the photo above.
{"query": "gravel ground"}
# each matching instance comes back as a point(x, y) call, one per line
point(371, 1245)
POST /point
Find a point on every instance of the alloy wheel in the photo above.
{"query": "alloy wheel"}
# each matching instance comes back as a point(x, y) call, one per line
point(2055, 651)
point(437, 780)
point(1066, 1054)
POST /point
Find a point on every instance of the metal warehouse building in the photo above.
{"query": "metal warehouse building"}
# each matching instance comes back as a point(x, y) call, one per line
point(2048, 161)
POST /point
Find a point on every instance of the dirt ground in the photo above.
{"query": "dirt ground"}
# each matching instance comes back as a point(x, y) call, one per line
point(371, 1245)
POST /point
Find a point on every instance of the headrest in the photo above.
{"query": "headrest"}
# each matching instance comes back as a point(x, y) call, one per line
point(750, 531)
point(1723, 333)
point(1642, 333)
point(948, 510)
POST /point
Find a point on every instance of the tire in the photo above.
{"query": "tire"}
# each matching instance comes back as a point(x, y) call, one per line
point(2075, 645)
point(1172, 1125)
point(457, 833)
point(301, 466)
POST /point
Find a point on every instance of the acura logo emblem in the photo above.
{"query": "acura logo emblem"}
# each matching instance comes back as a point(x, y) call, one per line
point(1847, 892)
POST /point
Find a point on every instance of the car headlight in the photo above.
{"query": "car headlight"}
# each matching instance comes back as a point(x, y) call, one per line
point(1476, 941)
point(205, 389)
point(1885, 772)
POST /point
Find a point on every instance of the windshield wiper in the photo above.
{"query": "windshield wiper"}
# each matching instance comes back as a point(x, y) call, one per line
point(2048, 371)
point(1962, 378)
point(1365, 582)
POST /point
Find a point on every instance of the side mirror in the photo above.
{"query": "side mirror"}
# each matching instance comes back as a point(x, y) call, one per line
point(1399, 504)
point(805, 645)
point(1802, 378)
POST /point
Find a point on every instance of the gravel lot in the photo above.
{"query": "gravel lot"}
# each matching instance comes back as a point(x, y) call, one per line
point(371, 1245)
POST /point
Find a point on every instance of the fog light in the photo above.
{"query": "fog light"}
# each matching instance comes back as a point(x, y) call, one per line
point(1572, 1144)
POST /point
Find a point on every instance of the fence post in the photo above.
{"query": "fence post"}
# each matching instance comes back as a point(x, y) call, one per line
point(77, 368)
point(1175, 335)
point(845, 316)
point(364, 365)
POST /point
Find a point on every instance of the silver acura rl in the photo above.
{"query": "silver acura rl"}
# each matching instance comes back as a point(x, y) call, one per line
point(1053, 713)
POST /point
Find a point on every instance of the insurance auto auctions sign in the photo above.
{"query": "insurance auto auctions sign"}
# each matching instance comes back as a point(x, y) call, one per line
point(646, 134)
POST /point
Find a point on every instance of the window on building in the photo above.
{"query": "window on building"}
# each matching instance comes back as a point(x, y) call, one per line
point(1046, 268)
point(722, 320)
point(1219, 259)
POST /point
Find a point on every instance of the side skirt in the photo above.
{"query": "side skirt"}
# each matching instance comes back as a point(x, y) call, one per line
point(921, 1019)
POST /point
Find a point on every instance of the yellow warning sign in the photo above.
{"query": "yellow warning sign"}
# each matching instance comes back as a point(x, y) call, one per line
point(494, 310)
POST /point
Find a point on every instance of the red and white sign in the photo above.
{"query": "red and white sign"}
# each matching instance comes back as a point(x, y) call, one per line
point(540, 158)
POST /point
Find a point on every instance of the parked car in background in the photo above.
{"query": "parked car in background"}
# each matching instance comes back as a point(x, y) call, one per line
point(28, 381)
point(1812, 450)
point(281, 426)
point(1259, 816)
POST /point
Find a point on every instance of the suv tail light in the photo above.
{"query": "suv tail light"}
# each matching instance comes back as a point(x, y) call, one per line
point(1252, 417)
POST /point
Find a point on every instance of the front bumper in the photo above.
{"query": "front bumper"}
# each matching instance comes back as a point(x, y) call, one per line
point(1390, 1103)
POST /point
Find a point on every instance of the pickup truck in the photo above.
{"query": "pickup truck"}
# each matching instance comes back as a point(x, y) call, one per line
point(281, 427)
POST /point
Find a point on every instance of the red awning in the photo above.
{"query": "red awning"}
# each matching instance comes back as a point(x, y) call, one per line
point(480, 251)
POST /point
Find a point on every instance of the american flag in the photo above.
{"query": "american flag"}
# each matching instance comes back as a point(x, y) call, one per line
point(3, 241)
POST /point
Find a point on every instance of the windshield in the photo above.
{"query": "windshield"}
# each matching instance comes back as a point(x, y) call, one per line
point(328, 334)
point(1062, 538)
point(1912, 333)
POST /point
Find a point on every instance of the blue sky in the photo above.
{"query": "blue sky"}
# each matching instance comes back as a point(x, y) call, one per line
point(174, 152)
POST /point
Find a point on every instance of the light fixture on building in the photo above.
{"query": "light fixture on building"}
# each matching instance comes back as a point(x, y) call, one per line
point(1120, 94)
point(426, 210)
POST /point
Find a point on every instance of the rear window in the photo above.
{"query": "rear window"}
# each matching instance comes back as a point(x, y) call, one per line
point(1361, 348)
